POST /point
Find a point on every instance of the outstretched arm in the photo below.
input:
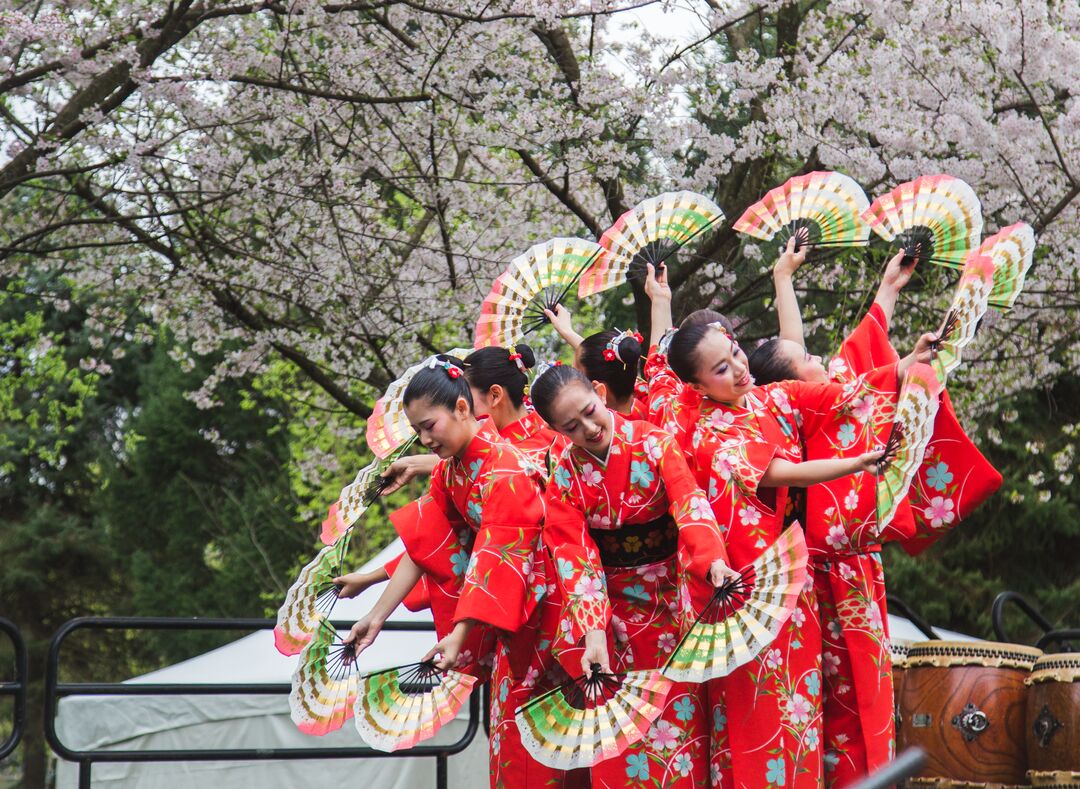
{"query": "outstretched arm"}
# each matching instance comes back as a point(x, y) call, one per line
point(896, 276)
point(781, 473)
point(787, 304)
point(561, 319)
point(659, 293)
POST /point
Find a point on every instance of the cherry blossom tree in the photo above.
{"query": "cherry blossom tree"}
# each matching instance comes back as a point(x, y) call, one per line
point(336, 184)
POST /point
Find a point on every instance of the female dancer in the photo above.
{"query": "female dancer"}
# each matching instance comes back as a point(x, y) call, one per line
point(636, 546)
point(841, 534)
point(475, 536)
point(498, 382)
point(744, 444)
point(610, 359)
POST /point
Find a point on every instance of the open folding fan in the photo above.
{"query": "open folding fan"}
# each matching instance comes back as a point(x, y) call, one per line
point(1011, 249)
point(325, 682)
point(934, 217)
point(312, 597)
point(744, 614)
point(820, 209)
point(401, 707)
point(359, 494)
point(592, 718)
point(537, 280)
point(913, 425)
point(961, 321)
point(388, 427)
point(650, 232)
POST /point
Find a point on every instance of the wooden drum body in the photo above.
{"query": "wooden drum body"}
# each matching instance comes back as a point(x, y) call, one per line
point(964, 705)
point(1053, 714)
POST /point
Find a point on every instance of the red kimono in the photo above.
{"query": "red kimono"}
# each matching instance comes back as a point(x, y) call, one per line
point(767, 714)
point(633, 537)
point(476, 537)
point(849, 581)
point(533, 438)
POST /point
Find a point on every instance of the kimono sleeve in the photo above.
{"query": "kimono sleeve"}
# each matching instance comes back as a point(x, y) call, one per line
point(576, 562)
point(867, 347)
point(814, 405)
point(498, 585)
point(663, 392)
point(700, 542)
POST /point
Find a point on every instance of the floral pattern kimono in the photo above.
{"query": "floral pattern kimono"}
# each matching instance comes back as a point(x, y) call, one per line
point(533, 438)
point(767, 715)
point(633, 537)
point(476, 535)
point(849, 580)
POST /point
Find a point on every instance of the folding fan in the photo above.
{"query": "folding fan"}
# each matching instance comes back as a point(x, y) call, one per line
point(913, 425)
point(388, 427)
point(820, 209)
point(325, 683)
point(934, 217)
point(968, 307)
point(401, 707)
point(1011, 249)
point(537, 280)
point(592, 718)
point(744, 615)
point(650, 232)
point(312, 597)
point(359, 494)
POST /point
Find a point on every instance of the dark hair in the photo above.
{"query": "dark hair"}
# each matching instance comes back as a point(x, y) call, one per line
point(768, 365)
point(547, 387)
point(708, 316)
point(682, 353)
point(619, 377)
point(492, 365)
point(437, 386)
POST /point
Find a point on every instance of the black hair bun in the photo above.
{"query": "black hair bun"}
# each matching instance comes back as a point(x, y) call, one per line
point(629, 349)
point(528, 358)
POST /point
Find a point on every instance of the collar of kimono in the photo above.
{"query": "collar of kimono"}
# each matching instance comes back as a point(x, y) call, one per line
point(481, 443)
point(526, 427)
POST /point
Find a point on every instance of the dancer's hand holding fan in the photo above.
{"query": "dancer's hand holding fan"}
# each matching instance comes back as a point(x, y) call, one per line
point(745, 614)
point(538, 280)
point(649, 233)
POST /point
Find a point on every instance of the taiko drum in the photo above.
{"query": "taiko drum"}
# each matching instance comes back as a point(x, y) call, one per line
point(1053, 714)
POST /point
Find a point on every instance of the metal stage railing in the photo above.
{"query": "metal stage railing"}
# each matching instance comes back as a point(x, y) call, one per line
point(15, 688)
point(55, 689)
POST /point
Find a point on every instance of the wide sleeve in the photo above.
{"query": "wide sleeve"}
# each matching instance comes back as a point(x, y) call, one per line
point(576, 561)
point(700, 542)
point(499, 579)
point(866, 348)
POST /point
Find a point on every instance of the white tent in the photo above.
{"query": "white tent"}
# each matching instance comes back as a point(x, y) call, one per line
point(173, 722)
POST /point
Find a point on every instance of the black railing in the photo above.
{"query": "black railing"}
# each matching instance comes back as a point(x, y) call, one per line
point(896, 604)
point(15, 688)
point(997, 614)
point(54, 690)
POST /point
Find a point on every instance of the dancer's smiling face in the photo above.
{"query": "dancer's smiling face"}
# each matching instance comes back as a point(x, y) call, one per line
point(721, 373)
point(578, 413)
